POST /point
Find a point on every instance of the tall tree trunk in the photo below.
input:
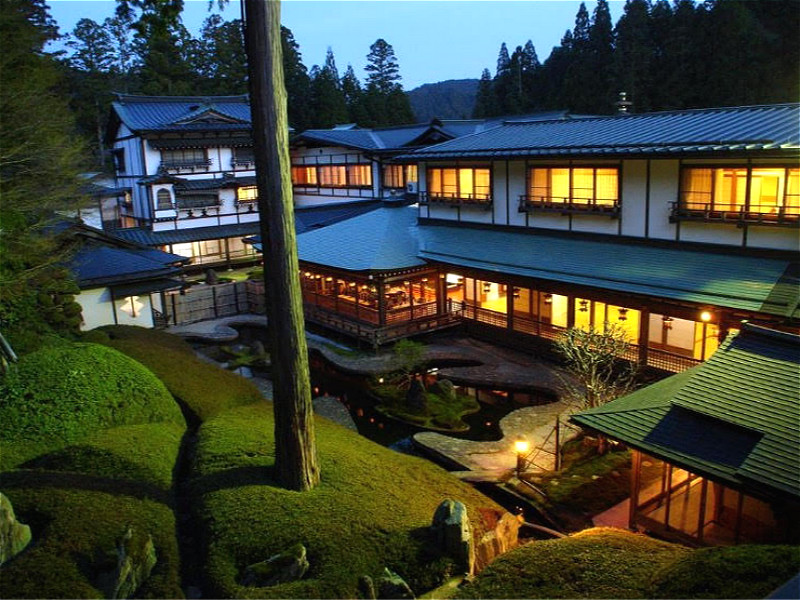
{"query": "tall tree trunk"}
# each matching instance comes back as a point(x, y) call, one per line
point(295, 446)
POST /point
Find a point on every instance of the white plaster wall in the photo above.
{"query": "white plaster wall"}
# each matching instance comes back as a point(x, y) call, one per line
point(144, 314)
point(711, 233)
point(663, 191)
point(516, 189)
point(773, 237)
point(595, 224)
point(499, 196)
point(633, 189)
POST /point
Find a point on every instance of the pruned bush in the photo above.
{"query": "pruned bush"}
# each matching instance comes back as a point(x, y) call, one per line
point(60, 394)
point(204, 388)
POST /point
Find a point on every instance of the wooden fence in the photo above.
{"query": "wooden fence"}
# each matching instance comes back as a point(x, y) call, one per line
point(202, 302)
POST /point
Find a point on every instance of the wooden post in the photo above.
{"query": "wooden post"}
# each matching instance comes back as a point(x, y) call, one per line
point(296, 463)
point(701, 517)
point(636, 482)
point(644, 335)
point(669, 496)
point(381, 291)
point(558, 443)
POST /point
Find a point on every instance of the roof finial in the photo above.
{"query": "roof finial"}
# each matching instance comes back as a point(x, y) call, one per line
point(623, 104)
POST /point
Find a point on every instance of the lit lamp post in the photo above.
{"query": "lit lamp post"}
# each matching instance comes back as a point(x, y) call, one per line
point(521, 448)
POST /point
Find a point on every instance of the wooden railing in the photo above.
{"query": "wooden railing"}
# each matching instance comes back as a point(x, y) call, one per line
point(740, 215)
point(610, 207)
point(483, 201)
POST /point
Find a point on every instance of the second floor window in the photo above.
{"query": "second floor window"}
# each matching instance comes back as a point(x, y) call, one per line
point(243, 157)
point(398, 176)
point(574, 186)
point(334, 176)
point(461, 183)
point(247, 194)
point(772, 190)
point(163, 200)
point(184, 158)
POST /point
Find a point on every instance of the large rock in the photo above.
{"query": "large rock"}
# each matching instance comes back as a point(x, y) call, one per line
point(391, 585)
point(415, 397)
point(445, 389)
point(502, 536)
point(136, 557)
point(289, 565)
point(453, 534)
point(14, 536)
point(366, 588)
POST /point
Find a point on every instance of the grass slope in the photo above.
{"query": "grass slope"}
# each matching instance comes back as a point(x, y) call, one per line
point(205, 389)
point(612, 563)
point(63, 393)
point(370, 510)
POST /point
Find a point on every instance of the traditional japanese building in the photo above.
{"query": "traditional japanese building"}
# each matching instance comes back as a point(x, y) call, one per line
point(675, 225)
point(716, 449)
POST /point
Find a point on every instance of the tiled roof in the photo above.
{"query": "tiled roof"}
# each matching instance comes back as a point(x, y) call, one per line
point(175, 113)
point(383, 239)
point(95, 264)
point(180, 236)
point(736, 417)
point(726, 280)
point(747, 128)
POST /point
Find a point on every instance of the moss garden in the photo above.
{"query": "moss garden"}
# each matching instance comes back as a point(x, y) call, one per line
point(129, 436)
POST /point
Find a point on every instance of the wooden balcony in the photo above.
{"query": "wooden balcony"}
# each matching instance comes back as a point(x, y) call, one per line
point(740, 216)
point(568, 206)
point(481, 201)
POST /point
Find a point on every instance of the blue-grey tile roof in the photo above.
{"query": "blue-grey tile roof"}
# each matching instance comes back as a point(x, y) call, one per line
point(181, 236)
point(99, 264)
point(384, 239)
point(714, 130)
point(175, 113)
point(726, 280)
point(735, 417)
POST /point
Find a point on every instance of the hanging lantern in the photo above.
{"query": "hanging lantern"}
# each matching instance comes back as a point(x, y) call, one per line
point(623, 314)
point(487, 287)
point(548, 298)
point(584, 305)
point(666, 322)
point(516, 292)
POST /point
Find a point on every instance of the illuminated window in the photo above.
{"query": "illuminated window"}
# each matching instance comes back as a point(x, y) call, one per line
point(247, 194)
point(397, 176)
point(332, 175)
point(577, 186)
point(359, 175)
point(163, 200)
point(184, 157)
point(462, 183)
point(304, 175)
point(131, 306)
point(772, 190)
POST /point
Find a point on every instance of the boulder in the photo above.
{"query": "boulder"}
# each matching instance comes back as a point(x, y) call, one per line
point(289, 565)
point(391, 585)
point(445, 389)
point(501, 538)
point(14, 536)
point(136, 557)
point(453, 534)
point(211, 277)
point(257, 347)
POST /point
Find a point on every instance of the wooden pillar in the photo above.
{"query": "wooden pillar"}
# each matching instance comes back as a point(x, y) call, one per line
point(570, 307)
point(737, 532)
point(113, 306)
point(509, 306)
point(381, 302)
point(644, 335)
point(701, 517)
point(669, 496)
point(636, 480)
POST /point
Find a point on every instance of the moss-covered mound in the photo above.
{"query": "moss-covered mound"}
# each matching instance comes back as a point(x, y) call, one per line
point(441, 413)
point(612, 563)
point(63, 393)
point(75, 528)
point(205, 389)
point(369, 512)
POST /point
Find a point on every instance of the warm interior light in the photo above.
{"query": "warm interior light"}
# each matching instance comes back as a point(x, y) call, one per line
point(516, 292)
point(521, 446)
point(705, 316)
point(329, 279)
point(548, 298)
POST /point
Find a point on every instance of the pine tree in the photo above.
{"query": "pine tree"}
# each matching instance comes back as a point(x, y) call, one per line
point(298, 83)
point(221, 62)
point(529, 61)
point(634, 54)
point(383, 72)
point(485, 99)
point(354, 97)
point(328, 106)
point(384, 101)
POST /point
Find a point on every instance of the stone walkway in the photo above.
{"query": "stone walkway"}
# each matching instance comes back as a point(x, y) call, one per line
point(490, 366)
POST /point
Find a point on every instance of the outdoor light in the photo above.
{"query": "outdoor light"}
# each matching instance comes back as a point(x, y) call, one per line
point(667, 322)
point(705, 316)
point(521, 447)
point(380, 380)
point(329, 279)
point(487, 287)
point(623, 314)
point(516, 292)
point(424, 280)
point(584, 305)
point(352, 284)
point(548, 298)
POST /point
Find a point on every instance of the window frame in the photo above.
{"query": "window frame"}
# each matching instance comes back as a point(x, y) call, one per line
point(348, 176)
point(573, 204)
point(404, 175)
point(185, 163)
point(458, 197)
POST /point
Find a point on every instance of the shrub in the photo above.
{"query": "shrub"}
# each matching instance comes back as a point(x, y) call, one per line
point(75, 530)
point(60, 394)
point(204, 388)
point(369, 511)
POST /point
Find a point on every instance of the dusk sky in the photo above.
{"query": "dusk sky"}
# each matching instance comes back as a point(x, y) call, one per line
point(433, 40)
